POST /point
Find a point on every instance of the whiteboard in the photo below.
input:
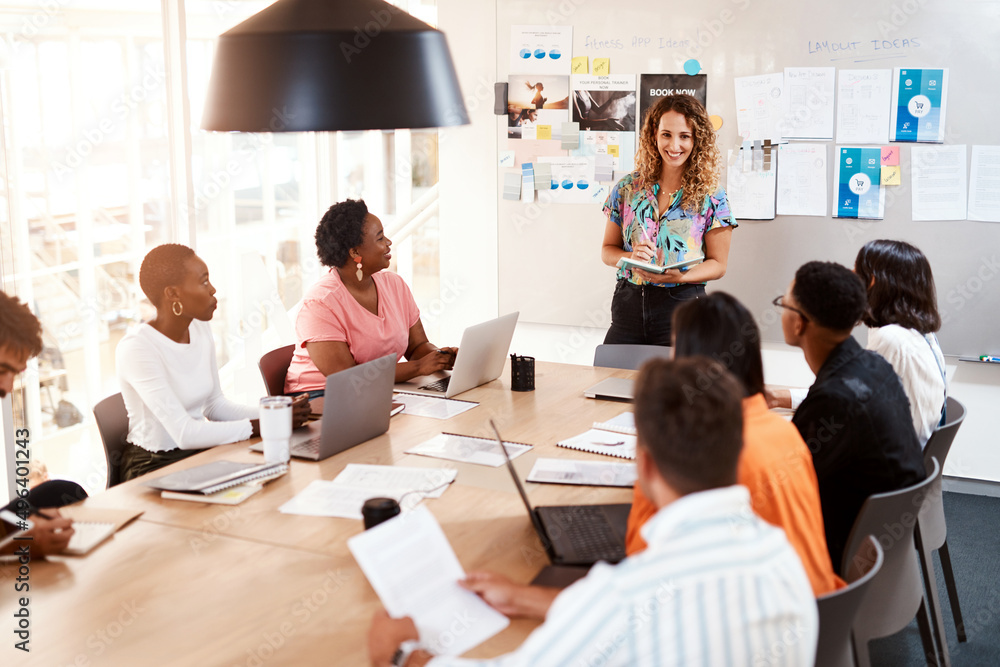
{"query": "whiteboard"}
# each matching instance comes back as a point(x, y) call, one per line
point(549, 255)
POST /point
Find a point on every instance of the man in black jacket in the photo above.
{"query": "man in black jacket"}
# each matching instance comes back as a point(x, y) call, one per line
point(856, 417)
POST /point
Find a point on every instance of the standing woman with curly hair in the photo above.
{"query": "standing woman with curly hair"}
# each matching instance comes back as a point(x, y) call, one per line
point(358, 312)
point(669, 209)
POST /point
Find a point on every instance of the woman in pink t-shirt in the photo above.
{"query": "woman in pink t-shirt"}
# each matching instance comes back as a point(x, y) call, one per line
point(358, 312)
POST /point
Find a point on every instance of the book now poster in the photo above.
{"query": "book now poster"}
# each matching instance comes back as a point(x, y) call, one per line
point(919, 104)
point(857, 183)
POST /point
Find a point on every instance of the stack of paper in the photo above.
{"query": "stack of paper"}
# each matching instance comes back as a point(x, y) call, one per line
point(344, 496)
point(587, 473)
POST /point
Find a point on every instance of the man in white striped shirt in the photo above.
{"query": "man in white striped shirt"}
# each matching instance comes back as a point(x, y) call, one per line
point(717, 585)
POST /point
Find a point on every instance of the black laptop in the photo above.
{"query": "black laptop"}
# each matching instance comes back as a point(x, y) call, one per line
point(575, 534)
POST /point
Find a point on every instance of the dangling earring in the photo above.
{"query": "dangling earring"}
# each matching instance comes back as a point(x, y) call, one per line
point(360, 274)
point(178, 308)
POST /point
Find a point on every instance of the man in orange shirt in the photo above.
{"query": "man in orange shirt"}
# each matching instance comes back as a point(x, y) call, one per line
point(775, 465)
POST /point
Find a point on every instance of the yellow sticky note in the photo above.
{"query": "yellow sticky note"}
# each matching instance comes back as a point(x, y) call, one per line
point(544, 131)
point(581, 65)
point(602, 66)
point(613, 149)
point(891, 176)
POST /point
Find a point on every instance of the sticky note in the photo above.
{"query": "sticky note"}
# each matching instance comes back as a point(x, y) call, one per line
point(602, 66)
point(890, 156)
point(529, 132)
point(716, 122)
point(506, 158)
point(613, 150)
point(544, 131)
point(891, 175)
point(581, 65)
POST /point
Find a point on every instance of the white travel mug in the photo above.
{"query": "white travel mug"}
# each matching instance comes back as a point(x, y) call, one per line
point(276, 427)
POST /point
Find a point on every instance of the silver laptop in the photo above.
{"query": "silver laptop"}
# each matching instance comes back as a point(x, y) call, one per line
point(360, 399)
point(612, 389)
point(480, 359)
point(575, 534)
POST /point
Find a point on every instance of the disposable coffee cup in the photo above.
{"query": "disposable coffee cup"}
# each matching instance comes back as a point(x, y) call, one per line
point(276, 427)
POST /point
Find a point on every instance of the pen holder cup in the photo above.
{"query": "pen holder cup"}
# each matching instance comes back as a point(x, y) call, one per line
point(522, 373)
point(377, 510)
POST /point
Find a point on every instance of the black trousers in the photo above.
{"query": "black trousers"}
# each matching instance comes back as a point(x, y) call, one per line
point(137, 461)
point(641, 314)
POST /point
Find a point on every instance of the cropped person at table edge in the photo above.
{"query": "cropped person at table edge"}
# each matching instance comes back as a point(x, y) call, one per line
point(717, 584)
point(668, 210)
point(20, 340)
point(358, 311)
point(168, 372)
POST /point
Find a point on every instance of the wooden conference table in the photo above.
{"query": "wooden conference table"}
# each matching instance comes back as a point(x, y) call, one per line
point(202, 584)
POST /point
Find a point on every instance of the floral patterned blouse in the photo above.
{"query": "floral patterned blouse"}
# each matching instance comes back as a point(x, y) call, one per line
point(677, 232)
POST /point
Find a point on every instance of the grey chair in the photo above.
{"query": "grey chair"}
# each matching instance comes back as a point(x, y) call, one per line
point(932, 531)
point(112, 424)
point(629, 357)
point(896, 593)
point(273, 368)
point(837, 610)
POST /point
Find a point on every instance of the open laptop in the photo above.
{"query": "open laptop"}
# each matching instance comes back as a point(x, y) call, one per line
point(360, 399)
point(575, 534)
point(480, 359)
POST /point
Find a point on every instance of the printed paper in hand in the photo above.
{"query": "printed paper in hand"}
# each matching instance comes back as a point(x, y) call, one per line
point(586, 473)
point(468, 449)
point(415, 572)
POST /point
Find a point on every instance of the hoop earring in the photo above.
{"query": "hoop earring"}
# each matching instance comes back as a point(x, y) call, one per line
point(360, 274)
point(178, 308)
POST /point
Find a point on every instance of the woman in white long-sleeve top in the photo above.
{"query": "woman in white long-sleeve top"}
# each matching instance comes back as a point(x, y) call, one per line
point(168, 371)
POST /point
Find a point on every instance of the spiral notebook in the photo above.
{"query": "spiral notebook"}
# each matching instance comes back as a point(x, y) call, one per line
point(216, 476)
point(615, 437)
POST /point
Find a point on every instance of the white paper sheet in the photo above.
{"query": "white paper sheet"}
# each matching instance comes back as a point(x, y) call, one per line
point(572, 179)
point(808, 99)
point(585, 473)
point(432, 406)
point(863, 99)
point(939, 182)
point(751, 193)
point(984, 184)
point(467, 449)
point(344, 496)
point(802, 177)
point(415, 573)
point(759, 108)
point(541, 49)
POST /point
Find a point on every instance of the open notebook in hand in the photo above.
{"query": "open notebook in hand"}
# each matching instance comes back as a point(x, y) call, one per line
point(629, 263)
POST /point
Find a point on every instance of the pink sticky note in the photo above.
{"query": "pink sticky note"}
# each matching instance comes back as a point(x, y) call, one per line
point(890, 156)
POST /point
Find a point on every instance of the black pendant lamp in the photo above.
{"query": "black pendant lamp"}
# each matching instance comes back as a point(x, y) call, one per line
point(327, 65)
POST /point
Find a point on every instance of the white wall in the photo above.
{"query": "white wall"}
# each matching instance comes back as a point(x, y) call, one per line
point(469, 249)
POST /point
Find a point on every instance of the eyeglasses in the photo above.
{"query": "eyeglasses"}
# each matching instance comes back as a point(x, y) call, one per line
point(778, 302)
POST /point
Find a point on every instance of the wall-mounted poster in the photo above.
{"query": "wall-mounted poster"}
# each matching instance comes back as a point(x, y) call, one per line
point(534, 101)
point(604, 102)
point(654, 86)
point(919, 102)
point(541, 49)
point(857, 182)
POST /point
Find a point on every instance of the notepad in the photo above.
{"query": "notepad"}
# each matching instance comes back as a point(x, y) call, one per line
point(93, 525)
point(623, 423)
point(468, 449)
point(600, 441)
point(231, 496)
point(629, 263)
